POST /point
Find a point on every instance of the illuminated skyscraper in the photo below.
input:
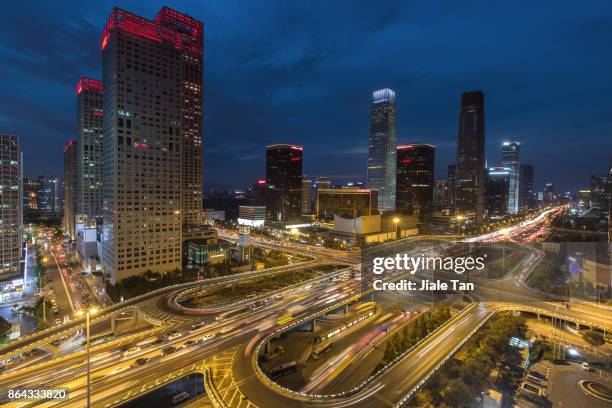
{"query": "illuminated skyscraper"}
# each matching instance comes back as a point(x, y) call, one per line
point(49, 195)
point(469, 181)
point(309, 195)
point(415, 179)
point(511, 159)
point(284, 180)
point(382, 149)
point(151, 155)
point(70, 186)
point(452, 172)
point(11, 206)
point(88, 192)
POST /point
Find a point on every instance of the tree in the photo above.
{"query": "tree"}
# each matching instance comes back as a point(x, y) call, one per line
point(593, 337)
point(5, 328)
point(456, 393)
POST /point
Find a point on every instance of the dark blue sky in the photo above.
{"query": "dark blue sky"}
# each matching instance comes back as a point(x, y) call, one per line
point(303, 72)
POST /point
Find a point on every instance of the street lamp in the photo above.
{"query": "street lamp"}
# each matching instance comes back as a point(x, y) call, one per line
point(459, 218)
point(396, 222)
point(90, 311)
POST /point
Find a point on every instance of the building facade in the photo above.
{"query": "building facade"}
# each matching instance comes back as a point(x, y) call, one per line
point(11, 207)
point(284, 181)
point(382, 149)
point(452, 170)
point(441, 195)
point(346, 203)
point(511, 152)
point(470, 165)
point(323, 182)
point(49, 197)
point(31, 187)
point(70, 187)
point(89, 147)
point(415, 179)
point(151, 155)
point(309, 195)
point(526, 192)
point(498, 191)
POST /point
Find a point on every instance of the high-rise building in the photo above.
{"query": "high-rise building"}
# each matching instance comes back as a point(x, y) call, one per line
point(89, 146)
point(151, 155)
point(70, 186)
point(382, 149)
point(498, 191)
point(49, 198)
point(469, 179)
point(31, 187)
point(284, 180)
point(441, 195)
point(526, 192)
point(415, 179)
point(11, 207)
point(346, 203)
point(309, 195)
point(511, 159)
point(260, 192)
point(452, 171)
point(549, 193)
point(599, 191)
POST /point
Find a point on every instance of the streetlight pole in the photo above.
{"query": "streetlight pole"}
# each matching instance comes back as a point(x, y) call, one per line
point(88, 312)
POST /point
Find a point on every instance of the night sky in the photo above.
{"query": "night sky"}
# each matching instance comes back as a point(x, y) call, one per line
point(303, 72)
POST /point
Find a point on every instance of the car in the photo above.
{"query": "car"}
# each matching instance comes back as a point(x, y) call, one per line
point(208, 336)
point(168, 350)
point(172, 334)
point(141, 361)
point(190, 343)
point(585, 366)
point(197, 325)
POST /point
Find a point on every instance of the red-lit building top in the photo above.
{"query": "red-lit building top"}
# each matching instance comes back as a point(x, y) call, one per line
point(86, 84)
point(69, 144)
point(184, 32)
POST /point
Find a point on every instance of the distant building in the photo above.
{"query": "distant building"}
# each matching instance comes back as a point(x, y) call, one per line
point(70, 187)
point(470, 171)
point(260, 192)
point(217, 215)
point(284, 181)
point(382, 149)
point(346, 202)
point(526, 192)
point(415, 179)
point(49, 198)
point(309, 195)
point(511, 160)
point(31, 187)
point(497, 191)
point(252, 215)
point(11, 207)
point(599, 191)
point(549, 193)
point(441, 195)
point(323, 183)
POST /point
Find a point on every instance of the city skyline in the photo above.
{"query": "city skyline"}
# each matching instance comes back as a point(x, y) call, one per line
point(427, 94)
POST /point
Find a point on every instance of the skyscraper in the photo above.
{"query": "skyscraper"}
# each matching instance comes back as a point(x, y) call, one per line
point(469, 182)
point(526, 195)
point(415, 179)
point(49, 199)
point(309, 195)
point(11, 207)
point(88, 192)
point(497, 191)
point(284, 180)
point(70, 186)
point(151, 155)
point(549, 193)
point(511, 160)
point(382, 149)
point(31, 187)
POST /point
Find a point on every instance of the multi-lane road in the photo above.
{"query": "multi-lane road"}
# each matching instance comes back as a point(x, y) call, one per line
point(116, 376)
